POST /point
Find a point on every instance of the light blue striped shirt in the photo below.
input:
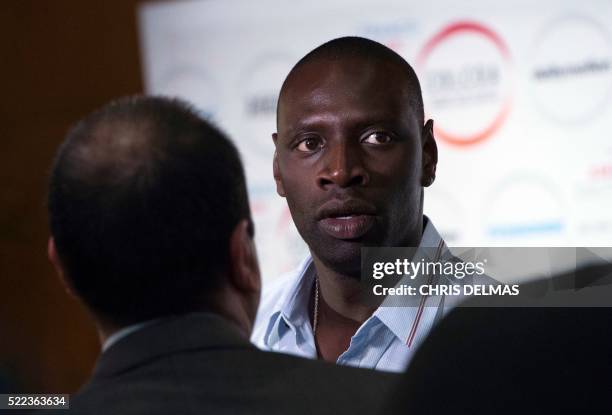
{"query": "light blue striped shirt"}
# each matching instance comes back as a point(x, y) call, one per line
point(385, 341)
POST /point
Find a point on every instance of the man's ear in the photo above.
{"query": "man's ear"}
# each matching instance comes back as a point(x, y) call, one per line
point(429, 154)
point(280, 189)
point(244, 266)
point(59, 268)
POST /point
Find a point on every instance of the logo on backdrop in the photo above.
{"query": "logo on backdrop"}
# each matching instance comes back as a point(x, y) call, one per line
point(525, 207)
point(261, 83)
point(257, 93)
point(571, 70)
point(466, 79)
point(396, 33)
point(592, 196)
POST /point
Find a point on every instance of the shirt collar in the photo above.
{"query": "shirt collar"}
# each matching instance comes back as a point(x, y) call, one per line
point(292, 306)
point(126, 331)
point(400, 320)
point(431, 237)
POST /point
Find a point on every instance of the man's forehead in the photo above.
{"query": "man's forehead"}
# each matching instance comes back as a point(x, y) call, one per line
point(332, 85)
point(352, 73)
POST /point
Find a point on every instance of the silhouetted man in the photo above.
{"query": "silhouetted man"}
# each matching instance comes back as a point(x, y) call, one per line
point(497, 356)
point(353, 154)
point(151, 229)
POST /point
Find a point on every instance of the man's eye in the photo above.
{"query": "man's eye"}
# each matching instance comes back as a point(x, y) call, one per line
point(377, 138)
point(309, 144)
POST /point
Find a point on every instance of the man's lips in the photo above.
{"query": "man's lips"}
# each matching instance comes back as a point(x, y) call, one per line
point(347, 227)
point(346, 219)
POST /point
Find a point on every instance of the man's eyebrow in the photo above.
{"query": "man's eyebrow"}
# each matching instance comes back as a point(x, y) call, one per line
point(361, 121)
point(308, 122)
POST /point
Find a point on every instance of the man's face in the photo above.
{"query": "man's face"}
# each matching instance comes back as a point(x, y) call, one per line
point(349, 159)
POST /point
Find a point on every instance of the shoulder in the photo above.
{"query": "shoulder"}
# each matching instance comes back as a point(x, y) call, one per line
point(272, 383)
point(343, 389)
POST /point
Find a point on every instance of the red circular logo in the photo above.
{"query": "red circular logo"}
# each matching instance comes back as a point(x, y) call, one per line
point(467, 94)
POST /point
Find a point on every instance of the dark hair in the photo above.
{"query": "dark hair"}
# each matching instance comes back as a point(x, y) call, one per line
point(362, 48)
point(143, 197)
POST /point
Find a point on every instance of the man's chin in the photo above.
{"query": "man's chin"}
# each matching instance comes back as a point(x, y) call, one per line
point(343, 257)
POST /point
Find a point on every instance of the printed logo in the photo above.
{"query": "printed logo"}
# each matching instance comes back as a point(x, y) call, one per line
point(259, 89)
point(466, 80)
point(525, 208)
point(571, 71)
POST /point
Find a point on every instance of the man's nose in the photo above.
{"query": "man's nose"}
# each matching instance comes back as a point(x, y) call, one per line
point(342, 166)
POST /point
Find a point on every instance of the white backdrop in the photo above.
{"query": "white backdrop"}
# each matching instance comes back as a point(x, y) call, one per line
point(520, 92)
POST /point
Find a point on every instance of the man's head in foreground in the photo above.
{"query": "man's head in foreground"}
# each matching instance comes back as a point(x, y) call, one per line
point(353, 152)
point(149, 216)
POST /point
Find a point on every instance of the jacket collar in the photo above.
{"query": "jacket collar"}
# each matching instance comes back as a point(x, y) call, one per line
point(168, 336)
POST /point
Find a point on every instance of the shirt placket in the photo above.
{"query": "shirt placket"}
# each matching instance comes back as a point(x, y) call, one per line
point(362, 351)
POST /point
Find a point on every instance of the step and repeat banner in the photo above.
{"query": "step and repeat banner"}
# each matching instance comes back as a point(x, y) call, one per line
point(520, 91)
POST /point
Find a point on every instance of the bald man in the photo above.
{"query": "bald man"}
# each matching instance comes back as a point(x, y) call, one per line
point(353, 155)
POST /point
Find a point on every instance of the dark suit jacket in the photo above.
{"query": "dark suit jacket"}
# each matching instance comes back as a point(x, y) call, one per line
point(200, 364)
point(501, 357)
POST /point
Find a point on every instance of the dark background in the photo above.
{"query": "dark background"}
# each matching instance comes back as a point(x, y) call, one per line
point(60, 60)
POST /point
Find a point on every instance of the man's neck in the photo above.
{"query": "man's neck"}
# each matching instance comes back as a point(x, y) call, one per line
point(342, 295)
point(339, 312)
point(342, 306)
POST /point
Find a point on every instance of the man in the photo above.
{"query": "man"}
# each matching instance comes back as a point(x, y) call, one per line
point(353, 154)
point(151, 229)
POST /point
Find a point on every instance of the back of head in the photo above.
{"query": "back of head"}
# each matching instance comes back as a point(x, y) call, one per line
point(143, 197)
